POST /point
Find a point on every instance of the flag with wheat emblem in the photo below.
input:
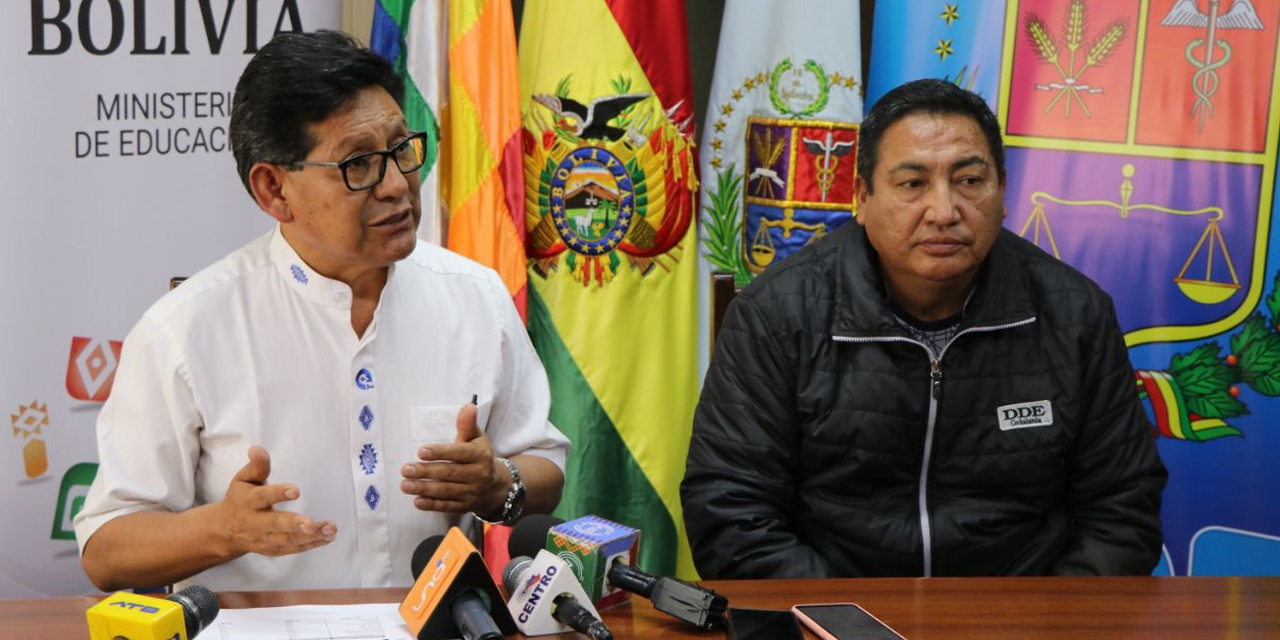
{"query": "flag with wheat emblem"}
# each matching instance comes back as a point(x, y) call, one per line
point(1141, 142)
point(610, 179)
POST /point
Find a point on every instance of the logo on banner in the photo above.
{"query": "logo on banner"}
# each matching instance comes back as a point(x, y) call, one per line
point(75, 484)
point(1072, 76)
point(799, 183)
point(91, 368)
point(1072, 54)
point(781, 180)
point(1145, 203)
point(28, 425)
point(1211, 52)
point(802, 92)
point(615, 183)
point(1156, 211)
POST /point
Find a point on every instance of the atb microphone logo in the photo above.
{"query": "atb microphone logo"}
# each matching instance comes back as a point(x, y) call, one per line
point(91, 368)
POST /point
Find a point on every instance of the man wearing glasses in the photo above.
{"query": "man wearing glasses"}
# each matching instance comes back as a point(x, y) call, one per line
point(334, 387)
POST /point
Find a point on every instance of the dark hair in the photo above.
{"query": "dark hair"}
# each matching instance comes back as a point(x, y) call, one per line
point(296, 80)
point(929, 96)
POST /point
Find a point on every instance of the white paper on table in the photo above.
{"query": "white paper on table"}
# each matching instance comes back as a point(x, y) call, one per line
point(310, 622)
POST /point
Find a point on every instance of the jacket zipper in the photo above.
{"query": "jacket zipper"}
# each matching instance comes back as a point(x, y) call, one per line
point(935, 393)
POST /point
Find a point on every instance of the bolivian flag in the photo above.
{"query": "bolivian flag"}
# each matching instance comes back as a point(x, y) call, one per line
point(610, 185)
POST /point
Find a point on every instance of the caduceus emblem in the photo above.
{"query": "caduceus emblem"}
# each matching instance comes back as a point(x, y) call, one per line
point(1203, 53)
point(828, 153)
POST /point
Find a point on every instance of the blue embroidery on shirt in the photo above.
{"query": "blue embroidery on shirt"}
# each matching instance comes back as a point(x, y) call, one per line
point(368, 459)
point(298, 274)
point(364, 380)
point(371, 497)
point(366, 418)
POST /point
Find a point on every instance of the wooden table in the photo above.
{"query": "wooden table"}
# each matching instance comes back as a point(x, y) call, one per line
point(920, 609)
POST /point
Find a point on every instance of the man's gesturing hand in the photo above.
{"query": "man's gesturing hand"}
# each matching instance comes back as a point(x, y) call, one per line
point(458, 477)
point(252, 523)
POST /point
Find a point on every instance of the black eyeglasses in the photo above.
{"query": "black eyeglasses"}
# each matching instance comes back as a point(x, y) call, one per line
point(364, 171)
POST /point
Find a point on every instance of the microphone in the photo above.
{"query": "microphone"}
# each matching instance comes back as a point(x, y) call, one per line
point(588, 544)
point(470, 612)
point(453, 594)
point(698, 606)
point(423, 554)
point(131, 616)
point(531, 583)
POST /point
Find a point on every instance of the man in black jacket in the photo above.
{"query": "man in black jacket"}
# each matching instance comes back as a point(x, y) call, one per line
point(924, 392)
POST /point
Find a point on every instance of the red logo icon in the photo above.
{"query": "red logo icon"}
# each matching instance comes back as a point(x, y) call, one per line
point(91, 368)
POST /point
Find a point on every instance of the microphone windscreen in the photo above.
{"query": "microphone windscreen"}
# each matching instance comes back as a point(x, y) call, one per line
point(199, 607)
point(512, 572)
point(422, 555)
point(529, 535)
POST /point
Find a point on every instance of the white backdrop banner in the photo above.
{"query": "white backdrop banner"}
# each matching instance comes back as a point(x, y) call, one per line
point(115, 175)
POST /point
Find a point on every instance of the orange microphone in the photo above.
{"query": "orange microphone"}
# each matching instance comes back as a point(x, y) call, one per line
point(454, 593)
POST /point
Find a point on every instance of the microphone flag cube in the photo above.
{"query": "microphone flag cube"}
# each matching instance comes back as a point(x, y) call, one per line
point(137, 617)
point(590, 545)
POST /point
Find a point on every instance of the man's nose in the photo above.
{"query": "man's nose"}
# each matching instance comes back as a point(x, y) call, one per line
point(943, 205)
point(394, 183)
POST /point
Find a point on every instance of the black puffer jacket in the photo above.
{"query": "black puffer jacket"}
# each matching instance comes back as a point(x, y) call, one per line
point(813, 429)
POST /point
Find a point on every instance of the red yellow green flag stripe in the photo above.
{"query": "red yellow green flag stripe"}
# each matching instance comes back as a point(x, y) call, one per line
point(1171, 415)
point(610, 184)
point(484, 175)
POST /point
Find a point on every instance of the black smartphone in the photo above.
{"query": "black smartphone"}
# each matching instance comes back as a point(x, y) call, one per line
point(763, 624)
point(843, 621)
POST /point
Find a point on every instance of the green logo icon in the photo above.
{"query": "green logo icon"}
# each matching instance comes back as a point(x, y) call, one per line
point(75, 484)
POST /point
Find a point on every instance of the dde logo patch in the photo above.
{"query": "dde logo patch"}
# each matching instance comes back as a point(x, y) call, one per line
point(1025, 415)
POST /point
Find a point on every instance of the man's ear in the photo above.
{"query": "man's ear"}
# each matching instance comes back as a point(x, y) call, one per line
point(267, 183)
point(860, 194)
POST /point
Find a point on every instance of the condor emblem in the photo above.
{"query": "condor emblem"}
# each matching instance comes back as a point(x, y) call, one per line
point(610, 183)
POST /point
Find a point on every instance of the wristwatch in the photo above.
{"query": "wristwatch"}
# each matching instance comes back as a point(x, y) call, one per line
point(514, 504)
